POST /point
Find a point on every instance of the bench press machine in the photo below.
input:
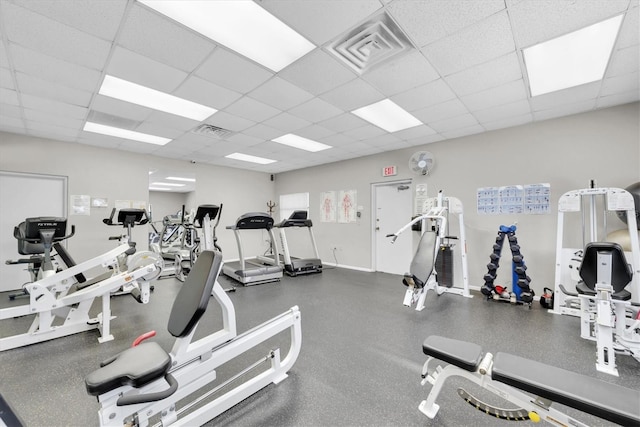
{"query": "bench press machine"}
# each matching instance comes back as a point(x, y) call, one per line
point(145, 381)
point(531, 385)
point(61, 302)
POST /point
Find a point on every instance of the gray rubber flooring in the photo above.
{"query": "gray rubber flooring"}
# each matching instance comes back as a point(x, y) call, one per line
point(360, 362)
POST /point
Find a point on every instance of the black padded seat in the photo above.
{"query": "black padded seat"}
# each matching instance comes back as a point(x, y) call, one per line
point(583, 289)
point(135, 366)
point(621, 271)
point(605, 400)
point(462, 354)
point(146, 362)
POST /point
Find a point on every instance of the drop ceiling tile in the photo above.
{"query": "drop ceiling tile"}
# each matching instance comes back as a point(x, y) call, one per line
point(384, 140)
point(119, 108)
point(8, 110)
point(144, 71)
point(365, 132)
point(535, 21)
point(343, 122)
point(517, 108)
point(6, 80)
point(619, 84)
point(409, 71)
point(315, 132)
point(52, 119)
point(510, 92)
point(232, 71)
point(321, 21)
point(485, 76)
point(460, 132)
point(138, 147)
point(489, 39)
point(287, 123)
point(98, 140)
point(624, 61)
point(618, 99)
point(424, 96)
point(244, 140)
point(337, 140)
point(317, 72)
point(251, 109)
point(572, 95)
point(356, 147)
point(53, 38)
point(280, 94)
point(189, 143)
point(264, 132)
point(54, 70)
point(630, 31)
point(4, 59)
point(352, 95)
point(565, 110)
point(161, 39)
point(509, 122)
point(424, 140)
point(160, 129)
point(99, 18)
point(454, 123)
point(9, 124)
point(415, 132)
point(59, 108)
point(45, 89)
point(315, 110)
point(50, 131)
point(160, 118)
point(444, 110)
point(230, 122)
point(9, 96)
point(203, 92)
point(426, 22)
point(49, 134)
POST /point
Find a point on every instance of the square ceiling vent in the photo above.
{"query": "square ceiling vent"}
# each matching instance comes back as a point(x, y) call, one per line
point(212, 131)
point(371, 44)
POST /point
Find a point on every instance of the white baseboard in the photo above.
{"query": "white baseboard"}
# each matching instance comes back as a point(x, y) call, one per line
point(349, 267)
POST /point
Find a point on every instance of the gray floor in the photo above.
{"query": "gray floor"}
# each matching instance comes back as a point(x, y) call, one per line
point(360, 361)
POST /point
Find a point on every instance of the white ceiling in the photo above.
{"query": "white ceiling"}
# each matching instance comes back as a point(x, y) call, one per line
point(464, 75)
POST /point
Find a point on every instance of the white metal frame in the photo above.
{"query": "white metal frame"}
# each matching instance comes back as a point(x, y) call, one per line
point(194, 367)
point(616, 199)
point(436, 209)
point(50, 299)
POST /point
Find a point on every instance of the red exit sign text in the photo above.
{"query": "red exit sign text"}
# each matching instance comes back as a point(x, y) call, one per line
point(389, 171)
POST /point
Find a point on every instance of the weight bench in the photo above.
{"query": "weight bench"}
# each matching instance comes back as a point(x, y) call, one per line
point(145, 380)
point(531, 385)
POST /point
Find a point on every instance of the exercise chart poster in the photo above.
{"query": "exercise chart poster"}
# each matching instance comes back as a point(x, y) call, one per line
point(347, 201)
point(511, 199)
point(537, 199)
point(328, 206)
point(488, 199)
point(514, 199)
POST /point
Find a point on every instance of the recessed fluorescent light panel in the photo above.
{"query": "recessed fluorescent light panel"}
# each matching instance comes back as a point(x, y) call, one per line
point(302, 143)
point(159, 189)
point(178, 178)
point(248, 158)
point(124, 133)
point(573, 59)
point(168, 184)
point(387, 115)
point(151, 98)
point(242, 26)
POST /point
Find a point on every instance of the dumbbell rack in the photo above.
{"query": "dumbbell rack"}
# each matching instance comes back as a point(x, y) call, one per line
point(521, 293)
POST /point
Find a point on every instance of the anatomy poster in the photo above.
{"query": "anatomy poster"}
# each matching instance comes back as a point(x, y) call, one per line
point(347, 206)
point(328, 206)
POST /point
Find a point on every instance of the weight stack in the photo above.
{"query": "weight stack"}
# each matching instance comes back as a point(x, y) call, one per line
point(444, 266)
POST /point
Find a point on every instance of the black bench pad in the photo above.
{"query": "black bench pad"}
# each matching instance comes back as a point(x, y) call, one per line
point(135, 366)
point(591, 395)
point(463, 354)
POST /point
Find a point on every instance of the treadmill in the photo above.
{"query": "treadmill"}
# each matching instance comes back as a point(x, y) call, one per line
point(295, 266)
point(252, 271)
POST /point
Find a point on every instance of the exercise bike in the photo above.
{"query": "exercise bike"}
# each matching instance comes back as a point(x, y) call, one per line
point(132, 259)
point(36, 237)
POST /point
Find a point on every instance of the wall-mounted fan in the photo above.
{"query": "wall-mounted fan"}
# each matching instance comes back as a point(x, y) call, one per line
point(421, 162)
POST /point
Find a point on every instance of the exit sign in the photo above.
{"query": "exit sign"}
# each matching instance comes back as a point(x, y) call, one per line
point(389, 171)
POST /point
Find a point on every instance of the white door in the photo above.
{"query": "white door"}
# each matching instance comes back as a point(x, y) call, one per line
point(392, 207)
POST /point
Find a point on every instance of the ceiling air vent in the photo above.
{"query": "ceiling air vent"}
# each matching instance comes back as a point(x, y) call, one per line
point(212, 131)
point(370, 44)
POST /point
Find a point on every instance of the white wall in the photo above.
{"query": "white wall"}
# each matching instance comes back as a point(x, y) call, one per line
point(565, 152)
point(119, 175)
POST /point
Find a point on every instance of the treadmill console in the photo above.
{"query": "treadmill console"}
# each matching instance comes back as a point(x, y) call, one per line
point(253, 221)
